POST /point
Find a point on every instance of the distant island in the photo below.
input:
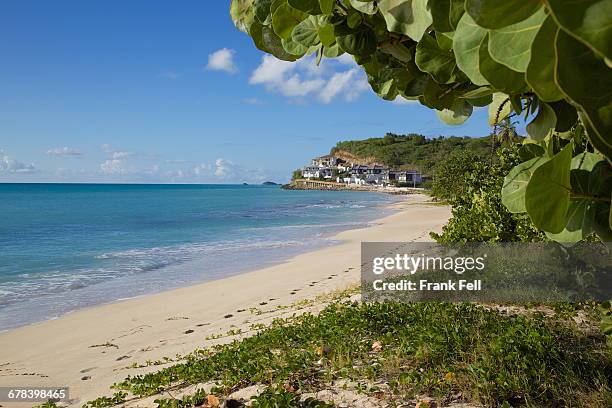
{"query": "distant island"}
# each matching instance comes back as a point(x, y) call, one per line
point(269, 183)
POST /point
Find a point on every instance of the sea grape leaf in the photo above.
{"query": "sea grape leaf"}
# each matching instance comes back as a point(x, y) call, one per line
point(586, 161)
point(540, 72)
point(242, 14)
point(515, 184)
point(261, 8)
point(307, 6)
point(499, 76)
point(399, 51)
point(438, 63)
point(445, 42)
point(588, 20)
point(446, 14)
point(457, 114)
point(266, 40)
point(586, 80)
point(466, 45)
point(437, 96)
point(365, 6)
point(326, 34)
point(327, 6)
point(285, 19)
point(566, 116)
point(307, 32)
point(360, 42)
point(408, 17)
point(547, 195)
point(579, 222)
point(333, 51)
point(498, 14)
point(543, 124)
point(529, 151)
point(500, 108)
point(353, 20)
point(294, 48)
point(511, 45)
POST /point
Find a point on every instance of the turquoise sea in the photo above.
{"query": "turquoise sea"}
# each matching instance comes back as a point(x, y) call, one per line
point(68, 246)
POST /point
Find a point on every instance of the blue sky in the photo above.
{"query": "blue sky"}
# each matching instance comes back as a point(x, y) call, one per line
point(159, 91)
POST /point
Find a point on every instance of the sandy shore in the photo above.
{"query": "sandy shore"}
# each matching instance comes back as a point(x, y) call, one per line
point(91, 349)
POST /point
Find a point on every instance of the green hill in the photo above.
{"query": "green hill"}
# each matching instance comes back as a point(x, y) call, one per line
point(409, 151)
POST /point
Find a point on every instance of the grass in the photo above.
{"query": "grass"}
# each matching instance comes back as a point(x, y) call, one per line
point(429, 348)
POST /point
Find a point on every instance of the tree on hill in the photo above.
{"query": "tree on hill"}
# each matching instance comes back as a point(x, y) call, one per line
point(547, 62)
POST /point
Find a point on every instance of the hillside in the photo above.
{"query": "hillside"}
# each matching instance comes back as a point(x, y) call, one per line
point(408, 151)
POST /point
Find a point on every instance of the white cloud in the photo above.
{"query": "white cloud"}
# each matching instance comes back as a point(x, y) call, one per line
point(120, 155)
point(116, 162)
point(349, 83)
point(332, 79)
point(222, 60)
point(64, 151)
point(9, 165)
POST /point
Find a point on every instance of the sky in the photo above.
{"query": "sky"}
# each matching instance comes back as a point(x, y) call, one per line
point(171, 92)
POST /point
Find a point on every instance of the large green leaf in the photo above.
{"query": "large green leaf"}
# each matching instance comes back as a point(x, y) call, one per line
point(466, 45)
point(266, 40)
point(500, 13)
point(432, 59)
point(327, 6)
point(294, 48)
point(587, 81)
point(285, 19)
point(588, 20)
point(242, 14)
point(540, 73)
point(446, 14)
point(408, 17)
point(511, 45)
point(515, 184)
point(307, 32)
point(307, 6)
point(365, 6)
point(261, 8)
point(457, 114)
point(499, 76)
point(499, 109)
point(547, 195)
point(543, 124)
point(361, 41)
point(579, 222)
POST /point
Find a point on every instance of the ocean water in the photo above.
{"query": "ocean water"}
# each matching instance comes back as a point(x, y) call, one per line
point(68, 246)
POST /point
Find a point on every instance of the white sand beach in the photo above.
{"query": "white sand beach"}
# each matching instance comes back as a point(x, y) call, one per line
point(91, 349)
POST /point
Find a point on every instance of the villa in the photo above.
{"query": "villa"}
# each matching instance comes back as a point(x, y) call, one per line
point(330, 167)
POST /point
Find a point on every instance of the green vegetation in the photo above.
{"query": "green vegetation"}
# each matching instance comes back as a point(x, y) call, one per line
point(436, 349)
point(546, 62)
point(472, 185)
point(412, 151)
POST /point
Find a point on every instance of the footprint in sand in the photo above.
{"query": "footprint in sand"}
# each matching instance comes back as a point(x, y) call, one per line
point(122, 358)
point(202, 324)
point(86, 370)
point(240, 310)
point(263, 303)
point(227, 316)
point(188, 331)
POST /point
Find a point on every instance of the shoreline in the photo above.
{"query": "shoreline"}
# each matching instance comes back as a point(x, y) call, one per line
point(326, 239)
point(90, 349)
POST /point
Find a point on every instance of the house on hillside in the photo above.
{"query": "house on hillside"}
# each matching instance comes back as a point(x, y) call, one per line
point(315, 172)
point(406, 176)
point(327, 161)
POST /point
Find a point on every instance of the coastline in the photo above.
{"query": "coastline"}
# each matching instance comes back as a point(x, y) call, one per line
point(90, 349)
